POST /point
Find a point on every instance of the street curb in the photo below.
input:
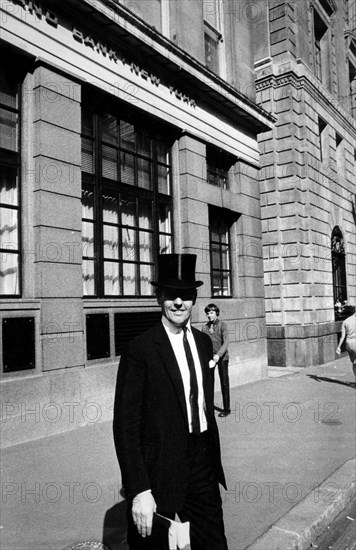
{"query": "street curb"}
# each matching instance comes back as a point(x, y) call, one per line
point(303, 524)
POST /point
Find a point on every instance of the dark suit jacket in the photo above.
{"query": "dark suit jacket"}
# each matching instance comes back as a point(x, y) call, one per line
point(150, 419)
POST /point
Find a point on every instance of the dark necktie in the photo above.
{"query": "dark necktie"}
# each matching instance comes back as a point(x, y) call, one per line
point(193, 394)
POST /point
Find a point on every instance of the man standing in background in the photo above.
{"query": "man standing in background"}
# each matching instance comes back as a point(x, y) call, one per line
point(217, 330)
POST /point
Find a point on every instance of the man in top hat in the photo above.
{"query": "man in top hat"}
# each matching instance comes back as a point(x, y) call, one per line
point(165, 431)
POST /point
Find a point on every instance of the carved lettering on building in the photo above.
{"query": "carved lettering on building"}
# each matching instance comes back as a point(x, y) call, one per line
point(40, 12)
point(36, 9)
point(179, 95)
point(101, 48)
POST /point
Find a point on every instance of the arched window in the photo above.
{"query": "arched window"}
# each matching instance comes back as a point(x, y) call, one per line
point(339, 272)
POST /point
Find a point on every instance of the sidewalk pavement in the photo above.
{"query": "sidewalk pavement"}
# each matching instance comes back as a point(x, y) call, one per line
point(288, 451)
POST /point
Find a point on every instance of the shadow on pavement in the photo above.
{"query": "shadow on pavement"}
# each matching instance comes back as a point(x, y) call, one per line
point(326, 379)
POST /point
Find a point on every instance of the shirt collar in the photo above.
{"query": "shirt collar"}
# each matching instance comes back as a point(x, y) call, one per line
point(172, 328)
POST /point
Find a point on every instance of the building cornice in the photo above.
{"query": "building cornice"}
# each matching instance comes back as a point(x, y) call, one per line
point(300, 77)
point(136, 33)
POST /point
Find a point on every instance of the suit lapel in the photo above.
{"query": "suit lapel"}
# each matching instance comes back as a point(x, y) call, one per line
point(164, 349)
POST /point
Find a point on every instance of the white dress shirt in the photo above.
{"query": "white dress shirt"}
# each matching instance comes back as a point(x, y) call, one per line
point(175, 335)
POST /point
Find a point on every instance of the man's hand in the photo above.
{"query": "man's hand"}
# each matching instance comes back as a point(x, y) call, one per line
point(143, 507)
point(338, 350)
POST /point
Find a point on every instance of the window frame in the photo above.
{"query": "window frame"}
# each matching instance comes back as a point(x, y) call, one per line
point(218, 166)
point(352, 86)
point(321, 47)
point(11, 159)
point(163, 10)
point(222, 220)
point(216, 33)
point(323, 139)
point(340, 155)
point(165, 30)
point(116, 189)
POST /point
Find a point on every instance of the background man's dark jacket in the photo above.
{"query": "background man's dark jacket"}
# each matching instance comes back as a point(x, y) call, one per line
point(150, 419)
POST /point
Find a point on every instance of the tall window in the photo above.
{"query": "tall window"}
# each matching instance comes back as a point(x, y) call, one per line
point(352, 81)
point(153, 12)
point(218, 164)
point(127, 204)
point(323, 139)
point(219, 228)
point(321, 49)
point(338, 258)
point(340, 155)
point(10, 276)
point(213, 36)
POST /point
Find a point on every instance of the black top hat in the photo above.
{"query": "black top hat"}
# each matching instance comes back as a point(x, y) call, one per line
point(177, 271)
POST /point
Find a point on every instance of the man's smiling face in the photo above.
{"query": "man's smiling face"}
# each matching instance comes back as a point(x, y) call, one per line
point(176, 304)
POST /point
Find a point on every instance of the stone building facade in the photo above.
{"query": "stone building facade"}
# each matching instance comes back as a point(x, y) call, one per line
point(305, 61)
point(127, 129)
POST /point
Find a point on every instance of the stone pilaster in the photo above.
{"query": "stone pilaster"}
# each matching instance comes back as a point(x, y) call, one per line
point(56, 159)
